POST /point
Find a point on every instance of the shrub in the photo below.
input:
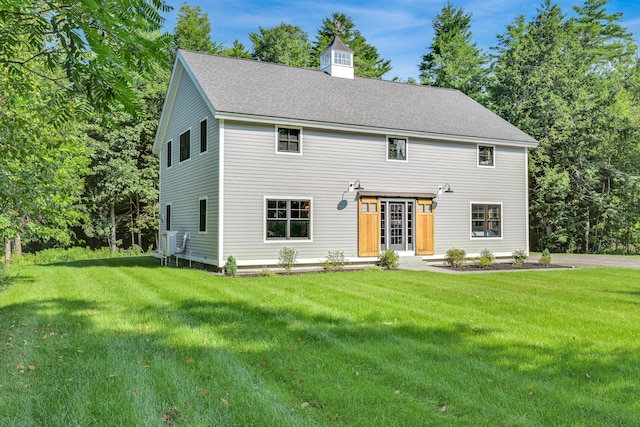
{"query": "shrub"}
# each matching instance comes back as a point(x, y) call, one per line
point(230, 267)
point(288, 258)
point(389, 259)
point(373, 268)
point(519, 258)
point(455, 258)
point(545, 258)
point(486, 258)
point(265, 272)
point(335, 261)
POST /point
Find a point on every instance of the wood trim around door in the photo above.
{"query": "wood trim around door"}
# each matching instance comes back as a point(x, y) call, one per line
point(368, 227)
point(424, 227)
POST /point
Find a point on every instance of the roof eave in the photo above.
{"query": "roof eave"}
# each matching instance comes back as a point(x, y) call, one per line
point(241, 117)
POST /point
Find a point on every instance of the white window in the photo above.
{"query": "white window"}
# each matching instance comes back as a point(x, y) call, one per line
point(486, 220)
point(288, 219)
point(486, 155)
point(342, 58)
point(289, 140)
point(397, 148)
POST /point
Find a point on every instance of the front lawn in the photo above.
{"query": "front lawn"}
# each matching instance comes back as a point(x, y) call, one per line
point(125, 342)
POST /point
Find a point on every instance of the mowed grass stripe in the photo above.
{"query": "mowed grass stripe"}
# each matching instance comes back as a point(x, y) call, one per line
point(356, 348)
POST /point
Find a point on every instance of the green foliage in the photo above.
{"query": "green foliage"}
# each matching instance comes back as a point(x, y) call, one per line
point(237, 50)
point(486, 258)
point(335, 261)
point(287, 258)
point(545, 258)
point(389, 259)
point(265, 272)
point(373, 268)
point(367, 60)
point(283, 44)
point(121, 189)
point(193, 30)
point(42, 163)
point(567, 82)
point(519, 257)
point(455, 258)
point(55, 255)
point(453, 60)
point(85, 48)
point(230, 267)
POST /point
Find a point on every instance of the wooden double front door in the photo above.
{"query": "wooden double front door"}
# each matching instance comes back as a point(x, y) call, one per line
point(400, 225)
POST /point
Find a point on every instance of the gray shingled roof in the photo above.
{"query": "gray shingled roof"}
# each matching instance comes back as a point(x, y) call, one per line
point(250, 87)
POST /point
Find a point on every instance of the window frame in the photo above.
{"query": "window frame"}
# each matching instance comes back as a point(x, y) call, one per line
point(342, 58)
point(287, 238)
point(169, 153)
point(187, 145)
point(486, 220)
point(493, 156)
point(406, 148)
point(202, 226)
point(288, 152)
point(204, 136)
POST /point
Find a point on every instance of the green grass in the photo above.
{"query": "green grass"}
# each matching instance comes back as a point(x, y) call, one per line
point(125, 342)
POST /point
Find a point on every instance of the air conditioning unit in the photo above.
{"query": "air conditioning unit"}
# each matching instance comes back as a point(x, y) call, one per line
point(169, 243)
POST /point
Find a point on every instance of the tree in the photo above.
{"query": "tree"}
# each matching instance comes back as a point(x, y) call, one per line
point(453, 60)
point(283, 44)
point(367, 61)
point(58, 60)
point(41, 166)
point(122, 186)
point(236, 51)
point(193, 30)
point(555, 79)
point(85, 48)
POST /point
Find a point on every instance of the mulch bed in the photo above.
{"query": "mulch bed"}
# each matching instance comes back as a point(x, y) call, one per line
point(505, 266)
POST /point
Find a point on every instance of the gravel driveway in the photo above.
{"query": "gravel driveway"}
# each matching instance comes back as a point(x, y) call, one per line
point(578, 260)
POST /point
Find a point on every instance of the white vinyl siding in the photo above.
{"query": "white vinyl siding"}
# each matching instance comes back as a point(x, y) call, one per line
point(253, 170)
point(185, 183)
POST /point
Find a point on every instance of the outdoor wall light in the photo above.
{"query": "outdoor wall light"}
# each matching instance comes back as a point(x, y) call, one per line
point(444, 189)
point(355, 186)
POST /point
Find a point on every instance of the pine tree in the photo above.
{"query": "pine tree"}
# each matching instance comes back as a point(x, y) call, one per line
point(283, 44)
point(453, 60)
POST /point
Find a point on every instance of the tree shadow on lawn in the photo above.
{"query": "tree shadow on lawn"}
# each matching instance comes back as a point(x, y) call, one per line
point(145, 261)
point(323, 360)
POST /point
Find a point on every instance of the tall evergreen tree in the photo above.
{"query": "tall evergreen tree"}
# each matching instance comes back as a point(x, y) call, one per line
point(237, 50)
point(453, 60)
point(367, 60)
point(193, 30)
point(283, 44)
point(551, 82)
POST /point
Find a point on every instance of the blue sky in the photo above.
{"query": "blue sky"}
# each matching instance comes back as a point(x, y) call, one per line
point(400, 30)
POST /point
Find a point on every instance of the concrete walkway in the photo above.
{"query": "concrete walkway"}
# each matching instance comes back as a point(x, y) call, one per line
point(593, 261)
point(573, 260)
